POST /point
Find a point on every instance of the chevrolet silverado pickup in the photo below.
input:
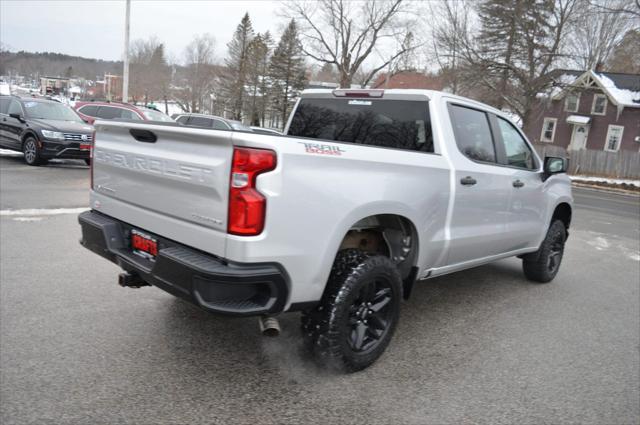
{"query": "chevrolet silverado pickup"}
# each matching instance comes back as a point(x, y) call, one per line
point(367, 192)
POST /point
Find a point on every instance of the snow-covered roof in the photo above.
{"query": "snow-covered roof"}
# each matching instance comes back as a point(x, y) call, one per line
point(622, 96)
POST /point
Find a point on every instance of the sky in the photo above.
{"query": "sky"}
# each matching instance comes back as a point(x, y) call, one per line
point(95, 28)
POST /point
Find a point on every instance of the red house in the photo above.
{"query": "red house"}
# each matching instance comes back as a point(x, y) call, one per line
point(590, 110)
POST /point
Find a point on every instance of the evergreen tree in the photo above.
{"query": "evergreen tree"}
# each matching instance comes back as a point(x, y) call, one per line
point(519, 43)
point(237, 66)
point(257, 75)
point(287, 71)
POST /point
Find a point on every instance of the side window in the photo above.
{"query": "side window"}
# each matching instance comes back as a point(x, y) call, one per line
point(614, 137)
point(14, 108)
point(89, 110)
point(599, 106)
point(473, 133)
point(516, 149)
point(200, 122)
point(108, 113)
point(129, 115)
point(219, 125)
point(572, 102)
point(548, 130)
point(183, 119)
point(4, 105)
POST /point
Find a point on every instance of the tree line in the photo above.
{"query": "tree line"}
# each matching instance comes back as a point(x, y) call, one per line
point(505, 53)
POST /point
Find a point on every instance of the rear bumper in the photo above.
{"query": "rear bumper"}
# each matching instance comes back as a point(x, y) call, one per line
point(214, 284)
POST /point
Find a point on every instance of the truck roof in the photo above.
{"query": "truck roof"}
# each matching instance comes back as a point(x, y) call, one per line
point(399, 94)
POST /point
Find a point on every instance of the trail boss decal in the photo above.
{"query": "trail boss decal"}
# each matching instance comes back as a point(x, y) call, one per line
point(320, 149)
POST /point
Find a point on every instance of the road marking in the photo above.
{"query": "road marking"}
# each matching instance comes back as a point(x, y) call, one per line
point(28, 218)
point(41, 211)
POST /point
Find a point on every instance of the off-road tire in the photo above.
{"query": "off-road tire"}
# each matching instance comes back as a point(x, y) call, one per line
point(543, 265)
point(31, 151)
point(333, 330)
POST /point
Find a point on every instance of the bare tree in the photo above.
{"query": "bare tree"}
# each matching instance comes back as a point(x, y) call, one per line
point(344, 33)
point(538, 44)
point(449, 34)
point(602, 26)
point(625, 57)
point(150, 73)
point(200, 73)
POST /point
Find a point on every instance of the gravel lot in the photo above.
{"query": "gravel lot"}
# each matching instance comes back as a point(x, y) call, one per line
point(481, 346)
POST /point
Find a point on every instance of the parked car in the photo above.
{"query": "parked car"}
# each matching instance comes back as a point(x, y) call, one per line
point(263, 130)
point(91, 111)
point(211, 121)
point(369, 191)
point(43, 129)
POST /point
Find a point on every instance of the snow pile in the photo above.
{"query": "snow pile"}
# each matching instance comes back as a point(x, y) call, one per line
point(622, 97)
point(605, 180)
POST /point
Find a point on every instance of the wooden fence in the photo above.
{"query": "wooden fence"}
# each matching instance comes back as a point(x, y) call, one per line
point(620, 165)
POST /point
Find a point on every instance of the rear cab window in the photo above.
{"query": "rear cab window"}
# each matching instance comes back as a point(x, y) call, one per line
point(389, 123)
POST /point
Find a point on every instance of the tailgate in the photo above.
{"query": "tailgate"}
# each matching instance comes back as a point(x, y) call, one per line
point(182, 176)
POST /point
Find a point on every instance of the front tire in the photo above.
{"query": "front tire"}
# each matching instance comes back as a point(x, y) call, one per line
point(543, 265)
point(31, 152)
point(358, 313)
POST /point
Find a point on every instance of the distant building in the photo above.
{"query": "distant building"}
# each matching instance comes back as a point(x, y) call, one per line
point(408, 80)
point(589, 110)
point(110, 88)
point(54, 85)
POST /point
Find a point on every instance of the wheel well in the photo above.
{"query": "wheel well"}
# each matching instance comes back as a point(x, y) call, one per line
point(27, 134)
point(390, 235)
point(562, 213)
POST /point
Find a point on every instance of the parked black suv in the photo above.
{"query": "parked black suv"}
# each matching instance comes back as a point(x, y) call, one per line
point(43, 129)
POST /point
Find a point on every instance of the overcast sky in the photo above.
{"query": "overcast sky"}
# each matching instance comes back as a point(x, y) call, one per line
point(95, 29)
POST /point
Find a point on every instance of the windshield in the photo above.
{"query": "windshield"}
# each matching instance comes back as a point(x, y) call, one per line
point(50, 111)
point(152, 115)
point(400, 124)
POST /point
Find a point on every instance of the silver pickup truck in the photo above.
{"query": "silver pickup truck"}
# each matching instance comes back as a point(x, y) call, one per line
point(367, 192)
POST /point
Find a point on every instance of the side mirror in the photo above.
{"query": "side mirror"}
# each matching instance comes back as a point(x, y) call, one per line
point(17, 116)
point(554, 165)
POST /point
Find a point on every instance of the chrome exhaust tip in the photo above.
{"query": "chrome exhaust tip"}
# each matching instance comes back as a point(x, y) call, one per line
point(269, 326)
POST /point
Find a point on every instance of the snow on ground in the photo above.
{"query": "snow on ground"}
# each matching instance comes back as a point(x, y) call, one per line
point(7, 152)
point(605, 180)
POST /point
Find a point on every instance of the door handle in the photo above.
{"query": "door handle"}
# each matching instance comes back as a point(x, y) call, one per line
point(518, 184)
point(468, 181)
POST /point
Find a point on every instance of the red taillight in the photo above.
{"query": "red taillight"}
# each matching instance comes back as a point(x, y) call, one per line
point(91, 149)
point(247, 206)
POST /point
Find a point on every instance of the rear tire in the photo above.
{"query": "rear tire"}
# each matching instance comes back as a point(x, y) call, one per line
point(358, 313)
point(31, 151)
point(543, 265)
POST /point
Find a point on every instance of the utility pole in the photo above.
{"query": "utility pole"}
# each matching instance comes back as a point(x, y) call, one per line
point(125, 72)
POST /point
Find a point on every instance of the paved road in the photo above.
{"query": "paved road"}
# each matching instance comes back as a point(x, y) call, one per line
point(481, 346)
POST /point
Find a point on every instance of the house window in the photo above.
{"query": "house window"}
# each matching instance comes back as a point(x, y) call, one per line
point(548, 130)
point(614, 137)
point(572, 102)
point(599, 106)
